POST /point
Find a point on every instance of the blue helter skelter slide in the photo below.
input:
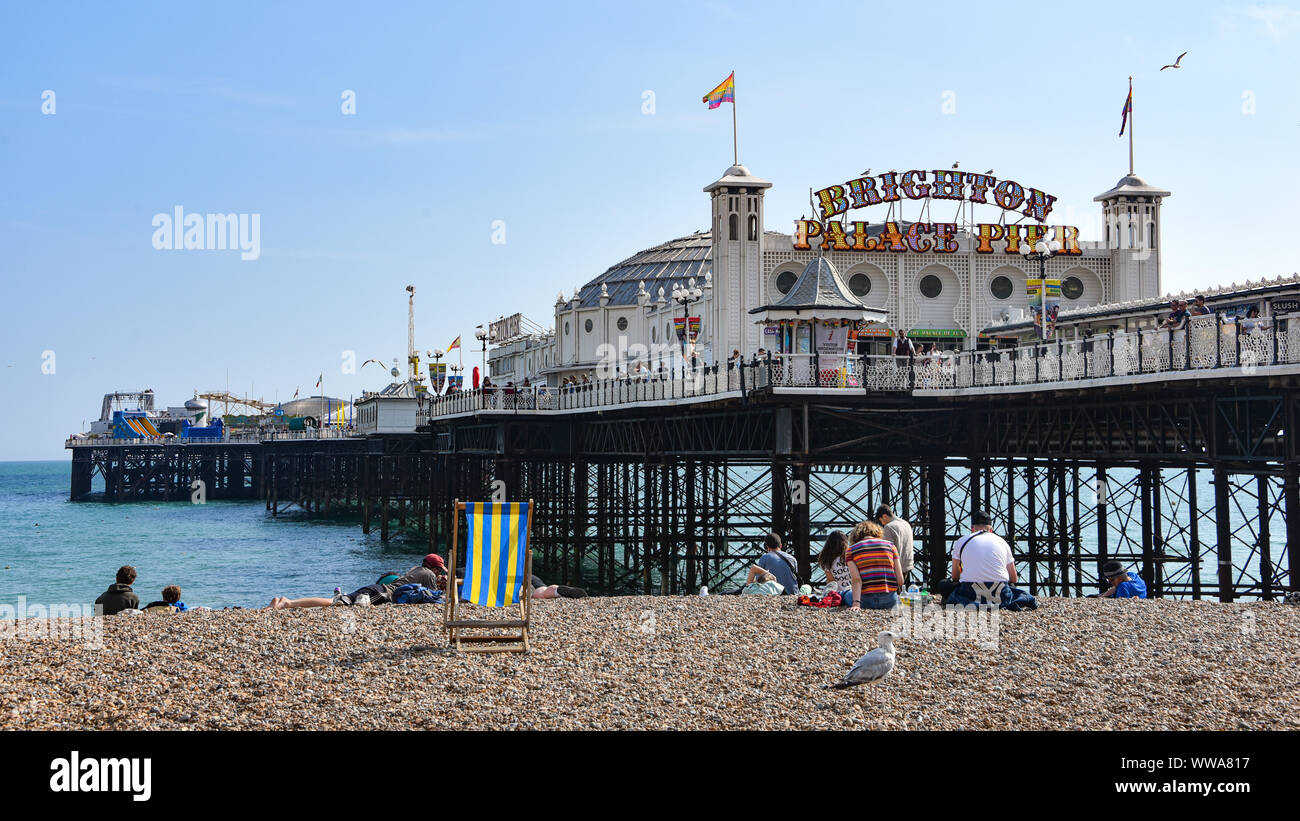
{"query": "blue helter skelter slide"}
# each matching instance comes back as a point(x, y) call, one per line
point(133, 425)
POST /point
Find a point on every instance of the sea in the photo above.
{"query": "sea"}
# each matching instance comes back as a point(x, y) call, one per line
point(222, 554)
point(234, 554)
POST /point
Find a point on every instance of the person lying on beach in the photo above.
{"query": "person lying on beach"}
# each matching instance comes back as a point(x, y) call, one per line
point(542, 590)
point(119, 596)
point(171, 601)
point(431, 573)
point(761, 583)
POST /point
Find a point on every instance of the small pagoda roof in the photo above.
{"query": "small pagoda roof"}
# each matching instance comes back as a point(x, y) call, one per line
point(819, 293)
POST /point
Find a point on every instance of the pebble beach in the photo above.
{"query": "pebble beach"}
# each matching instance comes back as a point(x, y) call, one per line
point(715, 663)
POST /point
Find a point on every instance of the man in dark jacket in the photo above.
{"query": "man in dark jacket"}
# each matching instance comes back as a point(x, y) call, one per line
point(119, 596)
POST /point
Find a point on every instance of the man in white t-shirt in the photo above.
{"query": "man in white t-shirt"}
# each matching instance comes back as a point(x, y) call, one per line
point(982, 555)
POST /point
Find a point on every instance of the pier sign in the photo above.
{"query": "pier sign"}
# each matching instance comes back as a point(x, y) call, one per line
point(924, 237)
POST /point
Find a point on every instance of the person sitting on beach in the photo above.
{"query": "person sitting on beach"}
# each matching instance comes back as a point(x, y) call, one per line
point(984, 569)
point(119, 596)
point(875, 571)
point(1124, 583)
point(761, 583)
point(171, 601)
point(431, 573)
point(779, 563)
point(833, 563)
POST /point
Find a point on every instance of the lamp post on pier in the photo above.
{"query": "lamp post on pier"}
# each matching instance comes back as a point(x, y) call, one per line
point(684, 296)
point(1040, 252)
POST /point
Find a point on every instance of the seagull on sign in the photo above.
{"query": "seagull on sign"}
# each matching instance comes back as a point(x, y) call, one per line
point(873, 666)
point(954, 165)
point(866, 173)
point(1175, 63)
point(990, 171)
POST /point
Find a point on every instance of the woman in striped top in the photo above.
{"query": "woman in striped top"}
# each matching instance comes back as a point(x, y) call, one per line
point(876, 572)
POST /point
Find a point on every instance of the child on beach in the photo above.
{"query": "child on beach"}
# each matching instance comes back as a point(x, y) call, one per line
point(833, 565)
point(171, 600)
point(1124, 584)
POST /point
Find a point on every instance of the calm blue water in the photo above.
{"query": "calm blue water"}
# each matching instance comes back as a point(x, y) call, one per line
point(220, 553)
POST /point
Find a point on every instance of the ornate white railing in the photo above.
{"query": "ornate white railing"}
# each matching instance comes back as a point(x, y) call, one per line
point(1201, 343)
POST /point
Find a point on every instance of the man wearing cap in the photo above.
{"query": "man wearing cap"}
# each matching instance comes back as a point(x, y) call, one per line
point(1124, 584)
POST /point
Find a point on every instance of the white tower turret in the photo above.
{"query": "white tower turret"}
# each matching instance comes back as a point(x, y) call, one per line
point(737, 229)
point(1131, 211)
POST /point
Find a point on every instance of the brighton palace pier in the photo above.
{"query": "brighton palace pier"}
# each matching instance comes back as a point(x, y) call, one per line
point(932, 281)
point(657, 463)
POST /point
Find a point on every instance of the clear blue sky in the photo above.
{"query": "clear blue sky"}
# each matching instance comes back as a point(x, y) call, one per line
point(532, 114)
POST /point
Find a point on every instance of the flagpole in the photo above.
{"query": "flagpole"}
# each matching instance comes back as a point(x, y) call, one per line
point(735, 149)
point(1130, 126)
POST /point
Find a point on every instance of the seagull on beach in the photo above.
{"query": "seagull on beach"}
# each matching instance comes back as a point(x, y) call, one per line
point(1175, 63)
point(873, 666)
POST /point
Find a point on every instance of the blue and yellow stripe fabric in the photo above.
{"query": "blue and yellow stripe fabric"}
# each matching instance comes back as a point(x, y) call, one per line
point(495, 553)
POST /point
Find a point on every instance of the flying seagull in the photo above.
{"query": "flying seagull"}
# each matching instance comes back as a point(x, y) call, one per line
point(1175, 63)
point(875, 665)
point(368, 361)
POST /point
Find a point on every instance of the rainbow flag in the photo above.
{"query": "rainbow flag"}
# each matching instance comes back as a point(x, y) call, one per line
point(724, 93)
point(1128, 109)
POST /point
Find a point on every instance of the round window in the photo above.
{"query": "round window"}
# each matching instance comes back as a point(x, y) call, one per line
point(785, 281)
point(622, 323)
point(860, 284)
point(586, 326)
point(931, 286)
point(1072, 287)
point(1001, 287)
point(566, 328)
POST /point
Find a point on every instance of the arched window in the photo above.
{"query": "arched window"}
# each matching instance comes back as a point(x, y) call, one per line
point(753, 228)
point(1151, 234)
point(734, 226)
point(1108, 235)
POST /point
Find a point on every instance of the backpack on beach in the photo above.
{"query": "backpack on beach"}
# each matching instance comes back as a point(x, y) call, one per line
point(416, 594)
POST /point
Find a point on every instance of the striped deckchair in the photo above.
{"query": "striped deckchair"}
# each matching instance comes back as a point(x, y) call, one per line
point(498, 565)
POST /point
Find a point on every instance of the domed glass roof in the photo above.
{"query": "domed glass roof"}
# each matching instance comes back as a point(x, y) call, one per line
point(676, 260)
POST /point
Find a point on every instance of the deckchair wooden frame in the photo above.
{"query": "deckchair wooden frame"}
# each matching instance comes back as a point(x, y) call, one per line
point(515, 640)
